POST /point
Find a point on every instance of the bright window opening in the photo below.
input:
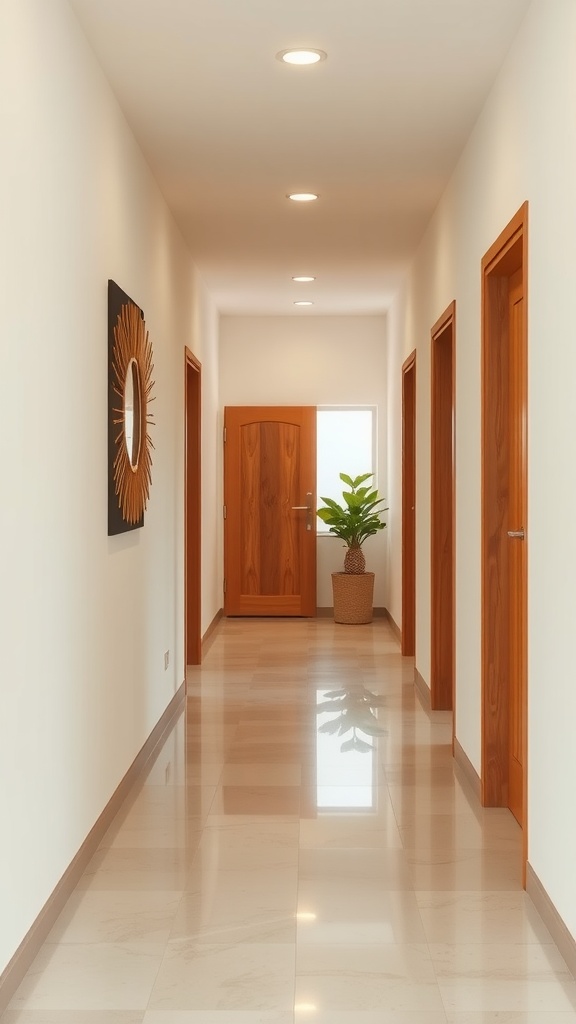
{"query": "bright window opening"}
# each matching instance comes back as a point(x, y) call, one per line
point(346, 443)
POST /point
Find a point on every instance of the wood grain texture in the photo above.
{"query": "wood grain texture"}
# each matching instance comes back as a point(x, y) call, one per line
point(442, 512)
point(409, 505)
point(270, 466)
point(517, 547)
point(504, 507)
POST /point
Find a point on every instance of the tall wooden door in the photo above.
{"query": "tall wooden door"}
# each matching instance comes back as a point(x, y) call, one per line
point(442, 513)
point(409, 505)
point(517, 547)
point(504, 522)
point(270, 510)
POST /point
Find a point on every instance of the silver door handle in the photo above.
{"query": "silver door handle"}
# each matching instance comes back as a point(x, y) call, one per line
point(516, 533)
point(306, 508)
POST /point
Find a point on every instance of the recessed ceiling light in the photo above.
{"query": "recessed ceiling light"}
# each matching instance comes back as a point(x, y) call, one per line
point(303, 278)
point(301, 56)
point(302, 197)
point(303, 302)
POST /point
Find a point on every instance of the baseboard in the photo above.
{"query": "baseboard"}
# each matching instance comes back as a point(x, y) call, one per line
point(468, 770)
point(327, 613)
point(16, 969)
point(422, 690)
point(554, 923)
point(209, 635)
point(394, 626)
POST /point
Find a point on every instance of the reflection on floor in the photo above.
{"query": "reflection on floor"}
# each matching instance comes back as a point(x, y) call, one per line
point(302, 852)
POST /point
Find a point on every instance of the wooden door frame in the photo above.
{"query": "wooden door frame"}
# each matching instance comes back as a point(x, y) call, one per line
point(408, 506)
point(442, 626)
point(192, 509)
point(508, 254)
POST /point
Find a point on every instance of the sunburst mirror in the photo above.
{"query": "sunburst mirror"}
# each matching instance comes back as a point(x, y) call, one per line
point(129, 394)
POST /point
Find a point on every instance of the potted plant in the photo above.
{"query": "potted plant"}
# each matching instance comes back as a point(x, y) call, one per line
point(355, 521)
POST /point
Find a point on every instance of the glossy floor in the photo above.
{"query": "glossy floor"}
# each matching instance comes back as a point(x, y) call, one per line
point(302, 852)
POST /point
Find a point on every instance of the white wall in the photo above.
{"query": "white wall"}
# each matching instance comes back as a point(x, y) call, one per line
point(309, 360)
point(523, 147)
point(85, 618)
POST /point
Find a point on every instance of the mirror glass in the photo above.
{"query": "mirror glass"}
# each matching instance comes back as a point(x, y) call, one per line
point(132, 412)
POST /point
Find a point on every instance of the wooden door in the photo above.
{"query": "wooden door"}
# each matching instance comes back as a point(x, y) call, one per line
point(270, 509)
point(517, 547)
point(409, 505)
point(442, 513)
point(504, 522)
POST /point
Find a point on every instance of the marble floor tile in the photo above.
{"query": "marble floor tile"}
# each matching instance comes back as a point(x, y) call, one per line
point(216, 919)
point(495, 961)
point(219, 1017)
point(347, 831)
point(259, 875)
point(381, 1016)
point(233, 800)
point(500, 995)
point(464, 869)
point(139, 869)
point(261, 775)
point(225, 977)
point(73, 1017)
point(356, 915)
point(510, 1017)
point(251, 844)
point(439, 831)
point(116, 916)
point(480, 917)
point(93, 976)
point(397, 977)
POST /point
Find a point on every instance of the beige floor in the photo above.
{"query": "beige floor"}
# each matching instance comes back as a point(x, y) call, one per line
point(269, 873)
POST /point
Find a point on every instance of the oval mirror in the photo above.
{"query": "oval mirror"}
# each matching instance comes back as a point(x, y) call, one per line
point(132, 412)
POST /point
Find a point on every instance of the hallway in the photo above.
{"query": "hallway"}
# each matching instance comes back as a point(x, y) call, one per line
point(271, 873)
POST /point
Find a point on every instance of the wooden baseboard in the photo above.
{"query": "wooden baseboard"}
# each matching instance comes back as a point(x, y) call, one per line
point(554, 923)
point(468, 770)
point(394, 625)
point(422, 690)
point(15, 970)
point(209, 635)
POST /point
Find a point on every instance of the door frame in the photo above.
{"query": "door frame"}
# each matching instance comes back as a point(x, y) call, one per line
point(507, 255)
point(409, 505)
point(192, 509)
point(442, 511)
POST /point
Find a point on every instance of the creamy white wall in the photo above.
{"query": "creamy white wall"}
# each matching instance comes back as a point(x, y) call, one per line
point(523, 147)
point(308, 360)
point(85, 618)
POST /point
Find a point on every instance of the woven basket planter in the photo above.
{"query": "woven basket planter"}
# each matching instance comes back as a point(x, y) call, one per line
point(353, 597)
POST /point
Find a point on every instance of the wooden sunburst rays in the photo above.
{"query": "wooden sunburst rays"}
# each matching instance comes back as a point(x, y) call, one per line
point(132, 482)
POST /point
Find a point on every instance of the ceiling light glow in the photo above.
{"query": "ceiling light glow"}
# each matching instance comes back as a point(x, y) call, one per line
point(302, 279)
point(302, 197)
point(303, 302)
point(301, 57)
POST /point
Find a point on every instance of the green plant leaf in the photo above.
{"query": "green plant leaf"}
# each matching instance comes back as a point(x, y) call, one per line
point(347, 480)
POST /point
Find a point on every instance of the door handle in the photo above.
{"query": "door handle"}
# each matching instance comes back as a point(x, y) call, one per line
point(306, 508)
point(519, 534)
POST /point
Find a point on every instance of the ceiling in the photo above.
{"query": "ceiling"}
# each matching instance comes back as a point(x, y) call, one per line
point(229, 130)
